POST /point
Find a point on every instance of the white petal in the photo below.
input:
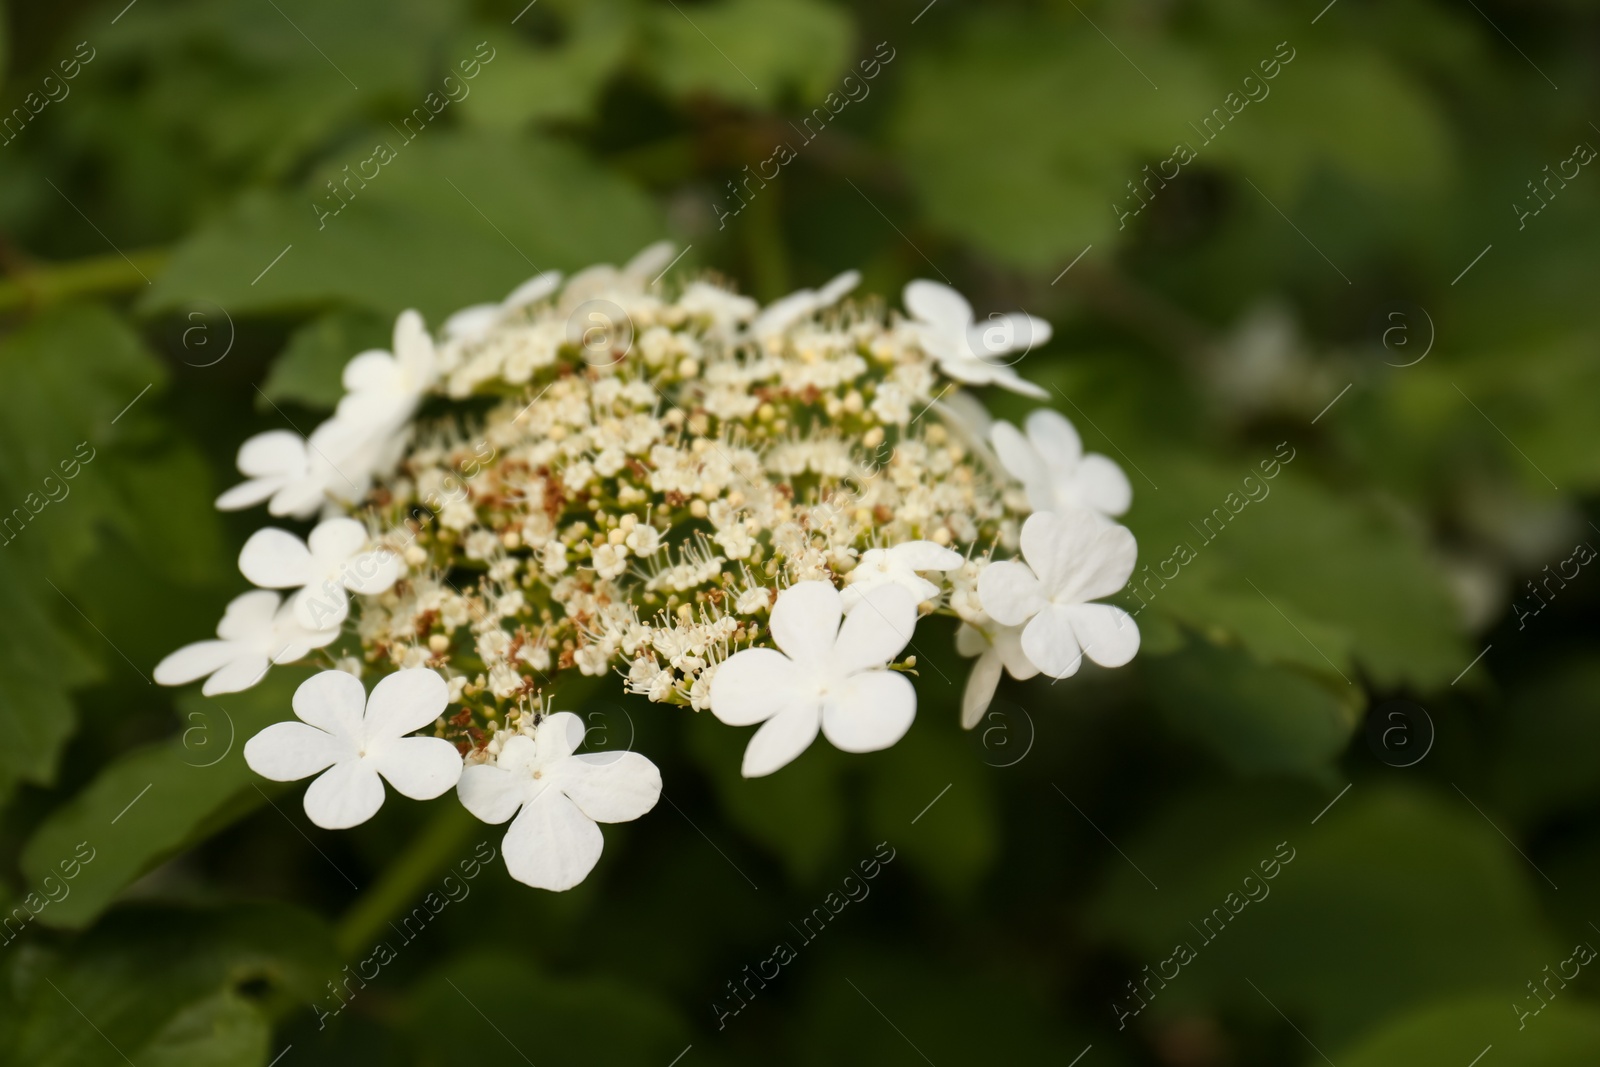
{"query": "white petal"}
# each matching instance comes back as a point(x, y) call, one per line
point(831, 293)
point(419, 767)
point(405, 702)
point(1017, 454)
point(781, 739)
point(321, 607)
point(238, 675)
point(1108, 634)
point(195, 661)
point(558, 736)
point(373, 572)
point(752, 685)
point(1006, 378)
point(472, 322)
point(248, 494)
point(610, 786)
point(650, 260)
point(981, 684)
point(289, 751)
point(518, 755)
point(1049, 641)
point(1010, 592)
point(370, 371)
point(1057, 440)
point(347, 794)
point(276, 453)
point(876, 631)
point(1102, 485)
point(413, 348)
point(336, 540)
point(871, 711)
point(491, 793)
point(533, 290)
point(927, 556)
point(1078, 556)
point(275, 559)
point(805, 620)
point(1008, 645)
point(248, 617)
point(970, 641)
point(938, 305)
point(551, 844)
point(333, 701)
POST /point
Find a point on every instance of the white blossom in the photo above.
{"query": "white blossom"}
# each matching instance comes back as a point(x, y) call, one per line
point(384, 388)
point(557, 797)
point(476, 322)
point(1071, 559)
point(969, 352)
point(357, 743)
point(255, 633)
point(822, 674)
point(996, 647)
point(336, 558)
point(899, 566)
point(1053, 470)
point(783, 313)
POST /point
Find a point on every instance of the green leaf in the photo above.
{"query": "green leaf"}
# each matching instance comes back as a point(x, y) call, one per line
point(168, 986)
point(571, 1020)
point(1452, 1033)
point(1545, 763)
point(1258, 718)
point(153, 802)
point(754, 52)
point(932, 776)
point(496, 209)
point(1396, 895)
point(557, 83)
point(309, 369)
point(799, 815)
point(1334, 585)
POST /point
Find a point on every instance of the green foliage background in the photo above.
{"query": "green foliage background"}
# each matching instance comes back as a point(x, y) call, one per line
point(1320, 251)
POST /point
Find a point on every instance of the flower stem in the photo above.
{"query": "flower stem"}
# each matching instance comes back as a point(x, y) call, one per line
point(401, 885)
point(33, 285)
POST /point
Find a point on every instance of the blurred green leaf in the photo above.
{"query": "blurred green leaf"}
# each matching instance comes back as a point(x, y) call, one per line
point(166, 986)
point(753, 52)
point(152, 802)
point(1391, 899)
point(1452, 1033)
point(560, 82)
point(309, 370)
point(496, 210)
point(1258, 718)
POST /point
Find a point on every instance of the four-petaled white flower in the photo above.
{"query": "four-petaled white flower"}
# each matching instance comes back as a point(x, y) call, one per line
point(1072, 559)
point(358, 743)
point(336, 558)
point(384, 388)
point(475, 322)
point(969, 352)
point(821, 674)
point(1053, 469)
point(784, 312)
point(996, 647)
point(899, 566)
point(554, 843)
point(255, 633)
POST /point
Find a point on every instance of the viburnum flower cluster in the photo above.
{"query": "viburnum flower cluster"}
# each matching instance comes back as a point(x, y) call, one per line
point(730, 508)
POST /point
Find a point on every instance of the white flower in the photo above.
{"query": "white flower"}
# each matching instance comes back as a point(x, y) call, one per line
point(634, 276)
point(554, 842)
point(255, 633)
point(1053, 469)
point(783, 313)
point(968, 352)
point(478, 321)
point(825, 675)
point(996, 647)
point(337, 558)
point(385, 388)
point(354, 747)
point(1071, 560)
point(297, 476)
point(899, 566)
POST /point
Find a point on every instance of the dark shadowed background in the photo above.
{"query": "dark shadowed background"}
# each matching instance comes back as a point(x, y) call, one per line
point(1352, 244)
